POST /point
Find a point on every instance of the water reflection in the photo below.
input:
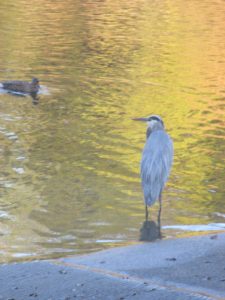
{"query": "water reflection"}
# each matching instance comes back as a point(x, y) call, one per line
point(150, 231)
point(34, 96)
point(197, 227)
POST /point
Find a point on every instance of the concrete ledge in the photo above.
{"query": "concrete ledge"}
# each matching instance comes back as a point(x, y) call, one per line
point(190, 268)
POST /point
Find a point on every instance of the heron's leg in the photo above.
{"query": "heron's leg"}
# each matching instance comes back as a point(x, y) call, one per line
point(159, 213)
point(146, 213)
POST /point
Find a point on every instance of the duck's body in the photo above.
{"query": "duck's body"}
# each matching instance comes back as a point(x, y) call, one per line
point(22, 86)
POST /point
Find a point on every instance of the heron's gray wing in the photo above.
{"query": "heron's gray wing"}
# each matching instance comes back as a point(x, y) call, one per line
point(156, 163)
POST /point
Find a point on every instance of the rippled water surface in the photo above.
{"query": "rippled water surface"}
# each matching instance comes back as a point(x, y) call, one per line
point(69, 178)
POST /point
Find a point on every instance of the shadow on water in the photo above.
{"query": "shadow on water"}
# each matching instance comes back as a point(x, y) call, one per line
point(35, 98)
point(34, 95)
point(150, 231)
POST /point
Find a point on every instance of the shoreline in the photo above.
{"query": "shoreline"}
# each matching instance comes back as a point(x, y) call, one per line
point(183, 268)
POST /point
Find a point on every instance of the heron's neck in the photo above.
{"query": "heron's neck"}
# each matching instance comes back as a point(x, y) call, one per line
point(155, 127)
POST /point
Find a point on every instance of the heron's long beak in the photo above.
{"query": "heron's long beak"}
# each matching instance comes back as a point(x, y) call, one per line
point(140, 119)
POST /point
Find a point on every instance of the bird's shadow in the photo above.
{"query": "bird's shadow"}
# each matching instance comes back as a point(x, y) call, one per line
point(33, 95)
point(150, 231)
point(35, 98)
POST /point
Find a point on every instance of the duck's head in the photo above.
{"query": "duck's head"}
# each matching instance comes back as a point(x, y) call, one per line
point(35, 81)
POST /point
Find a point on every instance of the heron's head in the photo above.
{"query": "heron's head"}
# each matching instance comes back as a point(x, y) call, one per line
point(154, 122)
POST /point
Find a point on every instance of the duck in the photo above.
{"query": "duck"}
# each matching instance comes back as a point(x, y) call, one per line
point(22, 86)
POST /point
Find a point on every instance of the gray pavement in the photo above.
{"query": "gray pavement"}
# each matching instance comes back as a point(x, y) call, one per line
point(190, 268)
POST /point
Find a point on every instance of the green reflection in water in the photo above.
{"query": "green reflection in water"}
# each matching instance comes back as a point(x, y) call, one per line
point(70, 165)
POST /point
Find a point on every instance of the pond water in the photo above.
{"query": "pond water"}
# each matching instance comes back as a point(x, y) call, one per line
point(69, 179)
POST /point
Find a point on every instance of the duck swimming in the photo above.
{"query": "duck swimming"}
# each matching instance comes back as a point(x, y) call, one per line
point(22, 86)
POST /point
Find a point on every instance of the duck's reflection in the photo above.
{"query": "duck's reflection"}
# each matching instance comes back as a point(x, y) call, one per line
point(33, 95)
point(150, 231)
point(35, 98)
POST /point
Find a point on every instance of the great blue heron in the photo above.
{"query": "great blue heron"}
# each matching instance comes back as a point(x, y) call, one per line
point(156, 162)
